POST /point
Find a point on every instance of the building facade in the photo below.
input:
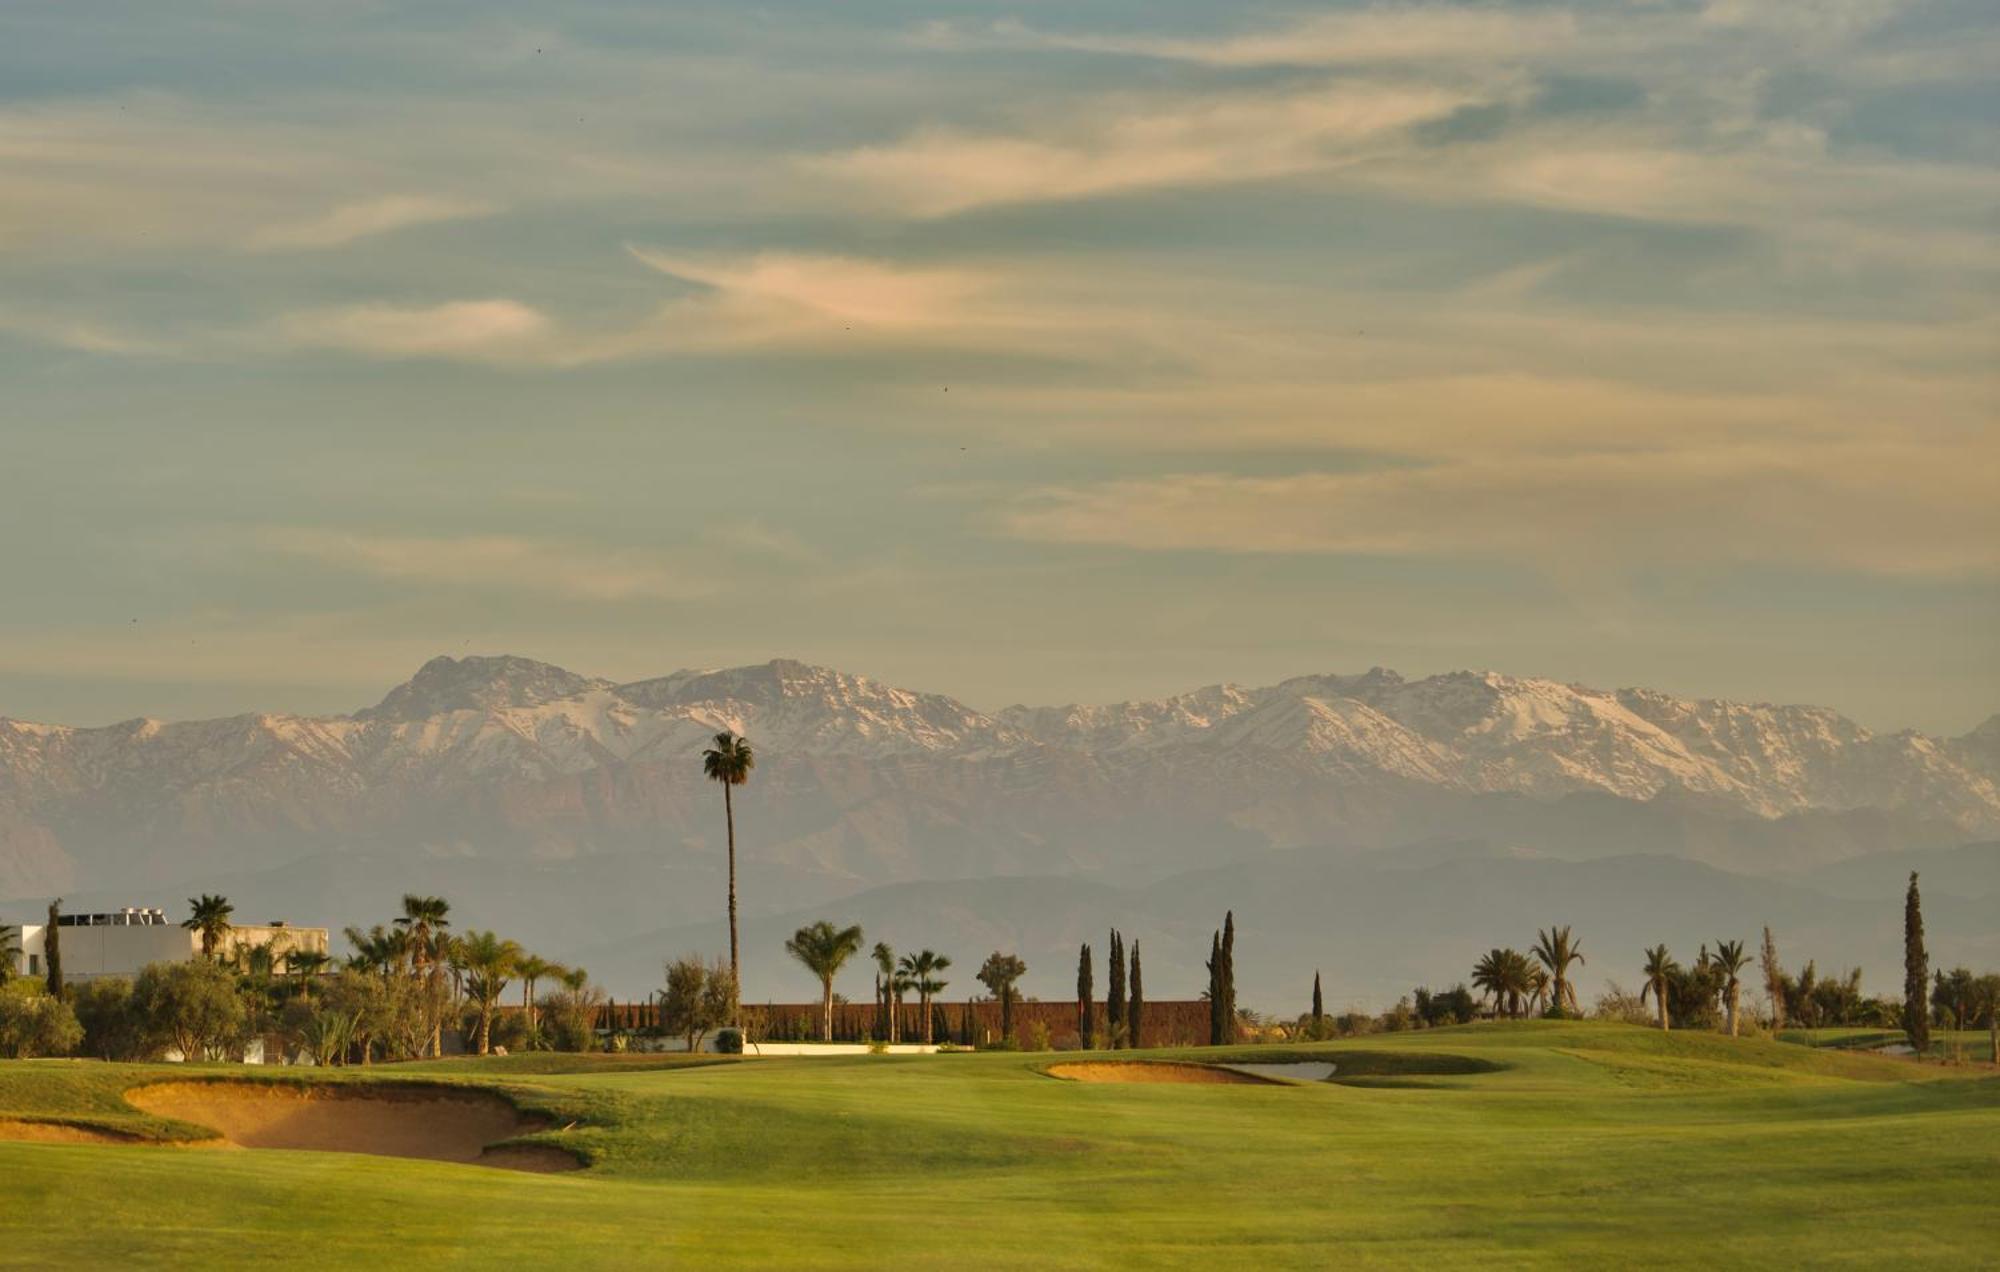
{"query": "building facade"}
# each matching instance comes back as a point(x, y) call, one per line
point(122, 942)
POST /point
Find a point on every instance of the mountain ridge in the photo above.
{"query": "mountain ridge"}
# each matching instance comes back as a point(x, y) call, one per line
point(541, 798)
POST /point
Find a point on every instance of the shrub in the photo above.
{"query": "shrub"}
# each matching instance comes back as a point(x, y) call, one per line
point(700, 996)
point(193, 1005)
point(729, 1042)
point(34, 1022)
point(112, 1029)
point(1038, 1036)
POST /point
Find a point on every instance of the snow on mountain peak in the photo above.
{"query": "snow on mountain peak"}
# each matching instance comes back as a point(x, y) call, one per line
point(477, 683)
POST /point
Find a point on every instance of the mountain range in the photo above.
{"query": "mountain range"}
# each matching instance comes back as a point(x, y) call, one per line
point(571, 810)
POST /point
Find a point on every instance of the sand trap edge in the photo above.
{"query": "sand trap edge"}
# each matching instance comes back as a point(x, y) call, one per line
point(1155, 1073)
point(503, 1151)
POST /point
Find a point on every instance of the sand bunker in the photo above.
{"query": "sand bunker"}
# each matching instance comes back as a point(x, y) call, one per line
point(1290, 1070)
point(416, 1121)
point(1153, 1071)
point(58, 1133)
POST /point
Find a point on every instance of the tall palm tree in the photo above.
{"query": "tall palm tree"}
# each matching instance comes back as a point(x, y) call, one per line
point(920, 972)
point(1731, 958)
point(729, 762)
point(209, 916)
point(1556, 950)
point(424, 920)
point(489, 961)
point(824, 949)
point(1660, 967)
point(885, 966)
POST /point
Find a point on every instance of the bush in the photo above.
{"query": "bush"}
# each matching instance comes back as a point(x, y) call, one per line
point(1038, 1036)
point(569, 1018)
point(33, 1023)
point(193, 1006)
point(729, 1042)
point(112, 1029)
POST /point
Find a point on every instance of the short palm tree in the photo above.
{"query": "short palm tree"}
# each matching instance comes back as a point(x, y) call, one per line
point(885, 968)
point(306, 964)
point(377, 950)
point(209, 916)
point(920, 972)
point(1557, 950)
point(10, 952)
point(489, 961)
point(1660, 968)
point(1506, 977)
point(532, 968)
point(998, 973)
point(729, 762)
point(824, 949)
point(1731, 958)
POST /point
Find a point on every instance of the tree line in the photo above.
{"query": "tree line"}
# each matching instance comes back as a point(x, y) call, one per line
point(395, 997)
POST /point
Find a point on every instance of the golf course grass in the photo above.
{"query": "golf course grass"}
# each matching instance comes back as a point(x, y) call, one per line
point(1534, 1144)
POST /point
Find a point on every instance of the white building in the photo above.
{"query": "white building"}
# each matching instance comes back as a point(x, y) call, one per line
point(122, 942)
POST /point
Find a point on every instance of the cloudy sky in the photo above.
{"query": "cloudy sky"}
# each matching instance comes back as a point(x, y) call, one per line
point(1042, 352)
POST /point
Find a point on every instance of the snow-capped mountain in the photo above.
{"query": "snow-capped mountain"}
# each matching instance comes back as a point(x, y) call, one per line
point(504, 773)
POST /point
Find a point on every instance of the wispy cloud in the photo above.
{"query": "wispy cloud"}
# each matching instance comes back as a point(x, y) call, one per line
point(508, 563)
point(456, 329)
point(1426, 34)
point(342, 225)
point(1875, 508)
point(1116, 146)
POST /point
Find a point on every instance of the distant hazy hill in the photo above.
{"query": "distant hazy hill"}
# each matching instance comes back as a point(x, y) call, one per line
point(571, 810)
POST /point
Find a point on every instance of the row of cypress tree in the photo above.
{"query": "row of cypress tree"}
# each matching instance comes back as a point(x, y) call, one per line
point(1124, 1010)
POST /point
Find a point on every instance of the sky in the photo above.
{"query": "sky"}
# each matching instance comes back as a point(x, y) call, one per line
point(1036, 353)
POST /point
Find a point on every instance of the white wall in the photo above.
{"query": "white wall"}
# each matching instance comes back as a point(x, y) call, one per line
point(106, 950)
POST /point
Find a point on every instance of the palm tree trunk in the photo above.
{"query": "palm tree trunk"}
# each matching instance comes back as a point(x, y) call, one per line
point(735, 967)
point(826, 1010)
point(1734, 993)
point(485, 1027)
point(925, 1001)
point(1660, 1001)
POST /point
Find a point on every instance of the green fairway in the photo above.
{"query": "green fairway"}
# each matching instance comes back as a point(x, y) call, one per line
point(1510, 1145)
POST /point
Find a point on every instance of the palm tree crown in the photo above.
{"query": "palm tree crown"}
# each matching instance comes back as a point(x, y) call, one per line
point(1556, 950)
point(424, 918)
point(824, 949)
point(209, 916)
point(489, 961)
point(920, 972)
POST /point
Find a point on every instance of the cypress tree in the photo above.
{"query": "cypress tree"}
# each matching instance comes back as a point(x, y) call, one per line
point(1229, 976)
point(1774, 980)
point(1114, 993)
point(52, 948)
point(1135, 1007)
point(1916, 973)
point(1215, 990)
point(1086, 1011)
point(1319, 1007)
